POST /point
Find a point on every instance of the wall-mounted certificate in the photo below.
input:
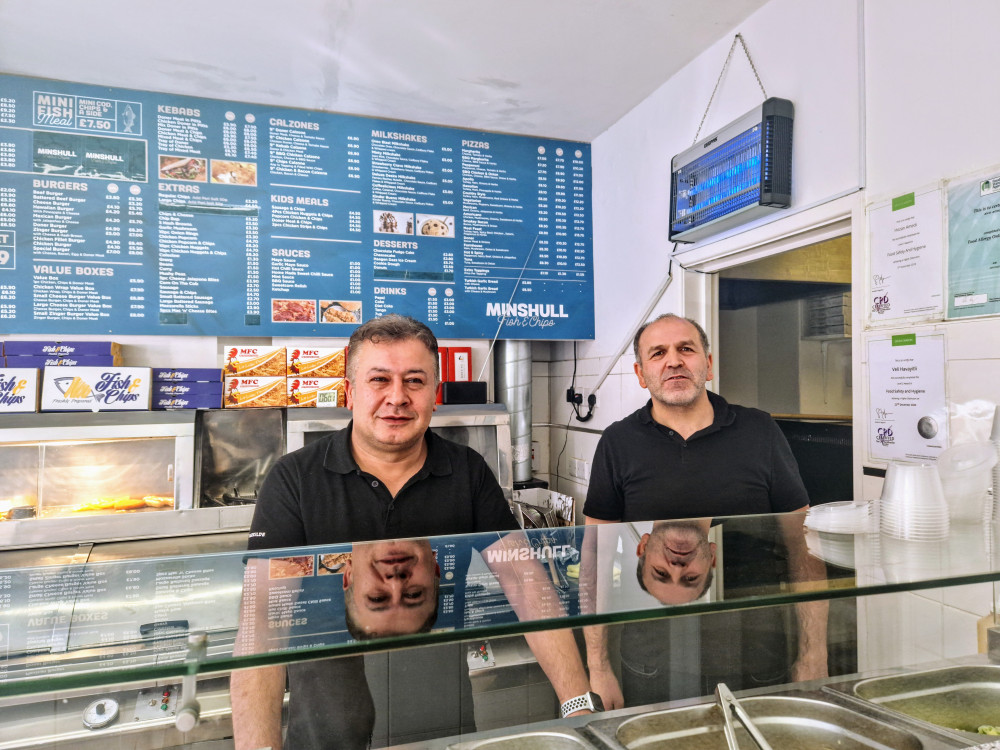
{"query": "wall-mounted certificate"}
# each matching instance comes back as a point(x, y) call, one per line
point(974, 247)
point(906, 272)
point(908, 413)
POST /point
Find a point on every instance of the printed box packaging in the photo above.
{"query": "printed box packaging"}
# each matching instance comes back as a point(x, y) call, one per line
point(96, 388)
point(243, 392)
point(62, 349)
point(166, 389)
point(306, 391)
point(312, 362)
point(195, 374)
point(53, 360)
point(255, 361)
point(198, 401)
point(18, 390)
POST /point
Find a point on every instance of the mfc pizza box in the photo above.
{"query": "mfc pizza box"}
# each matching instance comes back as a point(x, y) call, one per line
point(55, 360)
point(96, 388)
point(256, 361)
point(18, 390)
point(193, 374)
point(313, 362)
point(316, 392)
point(62, 349)
point(244, 392)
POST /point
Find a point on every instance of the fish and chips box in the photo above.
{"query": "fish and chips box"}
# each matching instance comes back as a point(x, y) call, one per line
point(201, 401)
point(255, 361)
point(243, 392)
point(96, 388)
point(187, 395)
point(316, 392)
point(18, 390)
point(313, 362)
point(60, 360)
point(71, 349)
point(187, 374)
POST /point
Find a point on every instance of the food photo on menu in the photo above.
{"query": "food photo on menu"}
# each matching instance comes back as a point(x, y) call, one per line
point(234, 172)
point(436, 226)
point(340, 311)
point(293, 310)
point(393, 222)
point(183, 168)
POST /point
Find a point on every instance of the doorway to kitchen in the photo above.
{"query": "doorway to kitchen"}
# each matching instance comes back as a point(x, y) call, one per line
point(784, 346)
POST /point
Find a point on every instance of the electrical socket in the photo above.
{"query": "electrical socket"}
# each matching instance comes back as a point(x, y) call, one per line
point(580, 396)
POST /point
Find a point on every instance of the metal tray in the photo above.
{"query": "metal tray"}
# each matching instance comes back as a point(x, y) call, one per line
point(786, 722)
point(959, 698)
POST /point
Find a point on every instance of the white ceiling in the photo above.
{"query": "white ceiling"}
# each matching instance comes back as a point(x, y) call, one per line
point(561, 68)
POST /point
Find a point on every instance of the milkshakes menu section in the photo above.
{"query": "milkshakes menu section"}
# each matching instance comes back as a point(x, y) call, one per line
point(139, 213)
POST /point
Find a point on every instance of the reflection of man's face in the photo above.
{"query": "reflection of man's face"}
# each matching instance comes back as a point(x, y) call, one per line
point(391, 588)
point(676, 560)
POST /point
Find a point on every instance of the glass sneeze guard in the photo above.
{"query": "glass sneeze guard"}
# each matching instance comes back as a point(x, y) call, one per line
point(72, 626)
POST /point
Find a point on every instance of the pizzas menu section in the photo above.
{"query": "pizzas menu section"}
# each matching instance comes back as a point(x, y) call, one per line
point(129, 212)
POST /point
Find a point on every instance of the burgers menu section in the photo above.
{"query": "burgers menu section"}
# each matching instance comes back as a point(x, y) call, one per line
point(139, 213)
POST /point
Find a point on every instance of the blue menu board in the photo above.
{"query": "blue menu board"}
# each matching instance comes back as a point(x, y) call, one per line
point(131, 212)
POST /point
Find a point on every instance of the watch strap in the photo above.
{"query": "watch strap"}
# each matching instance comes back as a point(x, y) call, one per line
point(589, 701)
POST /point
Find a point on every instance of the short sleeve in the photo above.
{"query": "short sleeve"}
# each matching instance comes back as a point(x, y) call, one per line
point(277, 518)
point(605, 501)
point(492, 512)
point(787, 490)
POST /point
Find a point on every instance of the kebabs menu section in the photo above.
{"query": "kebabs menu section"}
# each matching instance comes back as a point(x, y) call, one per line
point(132, 212)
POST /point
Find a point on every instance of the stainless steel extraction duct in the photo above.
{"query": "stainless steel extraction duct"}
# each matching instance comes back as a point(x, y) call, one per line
point(512, 387)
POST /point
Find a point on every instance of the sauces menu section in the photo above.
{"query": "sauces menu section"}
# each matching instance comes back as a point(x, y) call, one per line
point(132, 212)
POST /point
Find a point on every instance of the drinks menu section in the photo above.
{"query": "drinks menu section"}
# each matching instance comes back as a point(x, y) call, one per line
point(141, 213)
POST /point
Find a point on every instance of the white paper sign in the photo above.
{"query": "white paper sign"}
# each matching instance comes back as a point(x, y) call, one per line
point(906, 272)
point(908, 413)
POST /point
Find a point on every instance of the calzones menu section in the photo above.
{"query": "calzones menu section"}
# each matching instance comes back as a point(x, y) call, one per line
point(142, 213)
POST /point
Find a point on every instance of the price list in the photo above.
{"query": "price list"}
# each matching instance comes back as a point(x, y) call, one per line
point(135, 212)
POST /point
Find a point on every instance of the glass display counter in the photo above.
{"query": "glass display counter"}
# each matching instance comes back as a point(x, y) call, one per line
point(120, 649)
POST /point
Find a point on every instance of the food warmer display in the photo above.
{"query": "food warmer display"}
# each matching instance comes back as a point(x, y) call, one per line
point(85, 478)
point(136, 653)
point(90, 476)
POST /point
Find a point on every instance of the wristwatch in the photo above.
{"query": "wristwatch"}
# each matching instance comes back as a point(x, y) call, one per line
point(590, 701)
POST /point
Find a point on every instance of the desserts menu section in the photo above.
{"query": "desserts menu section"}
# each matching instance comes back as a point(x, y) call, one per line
point(141, 213)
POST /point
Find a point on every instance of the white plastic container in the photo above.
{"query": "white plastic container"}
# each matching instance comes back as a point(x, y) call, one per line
point(966, 473)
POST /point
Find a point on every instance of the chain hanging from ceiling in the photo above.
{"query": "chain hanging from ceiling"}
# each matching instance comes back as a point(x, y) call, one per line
point(722, 73)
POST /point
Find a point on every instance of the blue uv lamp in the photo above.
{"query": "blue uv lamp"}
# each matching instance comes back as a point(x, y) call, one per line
point(735, 175)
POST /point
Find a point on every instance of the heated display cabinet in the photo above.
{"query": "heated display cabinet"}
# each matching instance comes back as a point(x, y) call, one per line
point(136, 653)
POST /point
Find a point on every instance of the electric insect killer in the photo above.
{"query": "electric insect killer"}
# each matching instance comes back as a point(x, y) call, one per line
point(737, 174)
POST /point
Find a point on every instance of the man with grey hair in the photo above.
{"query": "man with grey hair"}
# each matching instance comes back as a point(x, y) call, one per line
point(385, 476)
point(686, 454)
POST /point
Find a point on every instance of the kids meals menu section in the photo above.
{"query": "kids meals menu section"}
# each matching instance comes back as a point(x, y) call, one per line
point(133, 212)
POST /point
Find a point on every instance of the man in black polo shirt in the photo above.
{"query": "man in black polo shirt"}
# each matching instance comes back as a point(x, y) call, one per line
point(385, 476)
point(688, 454)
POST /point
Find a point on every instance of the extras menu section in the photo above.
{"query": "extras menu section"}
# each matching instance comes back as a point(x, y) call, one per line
point(134, 212)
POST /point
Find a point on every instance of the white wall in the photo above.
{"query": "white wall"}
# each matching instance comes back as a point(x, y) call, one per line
point(925, 102)
point(807, 51)
point(932, 111)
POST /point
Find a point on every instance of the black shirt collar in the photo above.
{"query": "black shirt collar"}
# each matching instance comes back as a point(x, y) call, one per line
point(340, 460)
point(724, 414)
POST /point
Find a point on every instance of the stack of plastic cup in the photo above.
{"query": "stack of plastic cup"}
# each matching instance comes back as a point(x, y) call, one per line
point(912, 505)
point(966, 472)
